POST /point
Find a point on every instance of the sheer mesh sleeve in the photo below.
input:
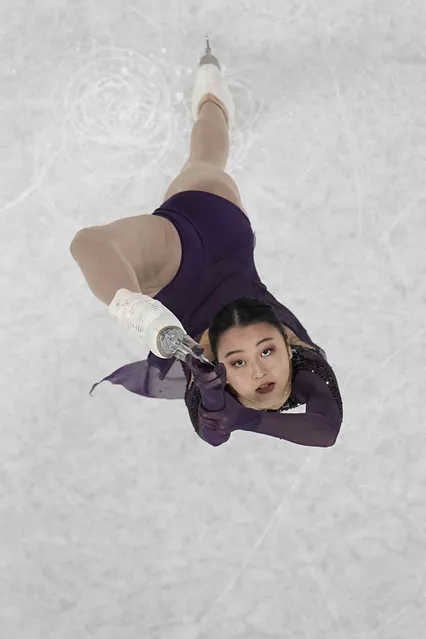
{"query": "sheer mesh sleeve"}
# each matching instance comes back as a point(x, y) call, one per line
point(314, 384)
point(193, 402)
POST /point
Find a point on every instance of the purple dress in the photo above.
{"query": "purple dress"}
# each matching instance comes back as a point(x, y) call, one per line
point(218, 267)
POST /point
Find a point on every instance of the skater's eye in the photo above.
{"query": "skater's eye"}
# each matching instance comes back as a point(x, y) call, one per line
point(240, 360)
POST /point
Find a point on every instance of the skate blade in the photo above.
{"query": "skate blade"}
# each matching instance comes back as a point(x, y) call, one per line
point(208, 57)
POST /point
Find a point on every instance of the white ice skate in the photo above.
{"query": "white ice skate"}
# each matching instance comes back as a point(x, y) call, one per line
point(210, 84)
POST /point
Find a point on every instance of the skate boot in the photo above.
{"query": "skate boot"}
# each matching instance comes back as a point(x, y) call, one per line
point(155, 326)
point(145, 317)
point(210, 85)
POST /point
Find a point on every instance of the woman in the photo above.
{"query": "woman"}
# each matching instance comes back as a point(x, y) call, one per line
point(191, 264)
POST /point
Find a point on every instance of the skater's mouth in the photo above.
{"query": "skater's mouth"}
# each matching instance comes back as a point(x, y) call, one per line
point(268, 388)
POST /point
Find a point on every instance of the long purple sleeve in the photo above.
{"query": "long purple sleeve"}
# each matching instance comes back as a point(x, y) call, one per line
point(314, 384)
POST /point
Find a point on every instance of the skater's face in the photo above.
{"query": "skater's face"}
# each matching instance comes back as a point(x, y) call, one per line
point(262, 357)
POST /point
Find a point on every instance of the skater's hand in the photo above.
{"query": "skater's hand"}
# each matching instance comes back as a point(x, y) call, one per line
point(210, 381)
point(219, 413)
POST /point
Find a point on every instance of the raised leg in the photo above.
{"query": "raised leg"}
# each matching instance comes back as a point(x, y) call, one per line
point(140, 253)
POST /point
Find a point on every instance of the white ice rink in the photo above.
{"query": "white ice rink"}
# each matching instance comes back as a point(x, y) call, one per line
point(116, 520)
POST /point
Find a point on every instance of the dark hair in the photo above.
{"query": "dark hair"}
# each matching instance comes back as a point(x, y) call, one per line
point(244, 311)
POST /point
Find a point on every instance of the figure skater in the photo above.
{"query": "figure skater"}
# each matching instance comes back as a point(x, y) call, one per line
point(190, 264)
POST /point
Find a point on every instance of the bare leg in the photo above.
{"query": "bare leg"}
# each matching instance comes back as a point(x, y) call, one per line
point(205, 168)
point(104, 267)
point(210, 137)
